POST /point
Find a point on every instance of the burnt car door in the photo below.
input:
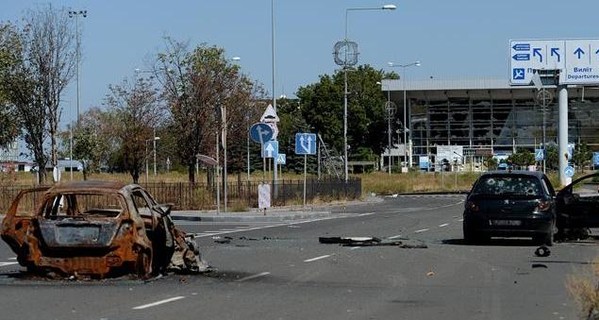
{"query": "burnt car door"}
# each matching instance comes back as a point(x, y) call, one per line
point(578, 203)
point(20, 216)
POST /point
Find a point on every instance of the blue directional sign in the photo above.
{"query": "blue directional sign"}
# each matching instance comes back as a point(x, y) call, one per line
point(281, 158)
point(569, 171)
point(576, 60)
point(596, 159)
point(261, 132)
point(270, 149)
point(305, 143)
point(539, 155)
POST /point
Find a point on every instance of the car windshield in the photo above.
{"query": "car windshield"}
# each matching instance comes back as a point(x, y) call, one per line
point(508, 185)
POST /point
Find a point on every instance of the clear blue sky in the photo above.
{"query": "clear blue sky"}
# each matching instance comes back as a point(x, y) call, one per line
point(452, 39)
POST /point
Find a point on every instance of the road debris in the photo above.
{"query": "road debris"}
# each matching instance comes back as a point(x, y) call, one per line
point(370, 242)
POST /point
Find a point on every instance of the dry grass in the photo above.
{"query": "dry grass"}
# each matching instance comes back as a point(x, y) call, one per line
point(383, 183)
point(584, 288)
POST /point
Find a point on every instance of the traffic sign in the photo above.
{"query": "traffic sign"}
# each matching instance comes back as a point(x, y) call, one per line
point(281, 158)
point(569, 171)
point(269, 115)
point(270, 149)
point(577, 60)
point(539, 155)
point(261, 132)
point(305, 143)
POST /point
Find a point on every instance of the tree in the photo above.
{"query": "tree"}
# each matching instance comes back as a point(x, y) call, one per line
point(137, 110)
point(522, 158)
point(206, 93)
point(582, 156)
point(45, 65)
point(9, 56)
point(322, 108)
point(92, 141)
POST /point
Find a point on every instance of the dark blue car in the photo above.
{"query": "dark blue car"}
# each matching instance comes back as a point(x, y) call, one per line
point(510, 204)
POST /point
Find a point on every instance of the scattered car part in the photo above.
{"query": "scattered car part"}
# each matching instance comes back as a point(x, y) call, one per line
point(542, 251)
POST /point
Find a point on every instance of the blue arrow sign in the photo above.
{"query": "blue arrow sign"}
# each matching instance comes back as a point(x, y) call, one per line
point(261, 132)
point(305, 143)
point(569, 171)
point(270, 149)
point(579, 52)
point(555, 52)
point(521, 47)
point(521, 57)
point(539, 155)
point(537, 52)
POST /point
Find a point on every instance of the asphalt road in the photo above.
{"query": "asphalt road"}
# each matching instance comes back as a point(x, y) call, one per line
point(279, 270)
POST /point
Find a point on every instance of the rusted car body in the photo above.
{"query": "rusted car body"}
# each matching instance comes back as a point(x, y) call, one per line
point(97, 229)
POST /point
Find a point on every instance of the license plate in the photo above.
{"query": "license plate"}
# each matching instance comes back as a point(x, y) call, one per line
point(505, 222)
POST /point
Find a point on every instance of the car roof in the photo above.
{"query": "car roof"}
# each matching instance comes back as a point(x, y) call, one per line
point(90, 185)
point(537, 174)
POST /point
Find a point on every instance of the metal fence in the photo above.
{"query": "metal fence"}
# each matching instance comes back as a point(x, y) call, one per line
point(240, 195)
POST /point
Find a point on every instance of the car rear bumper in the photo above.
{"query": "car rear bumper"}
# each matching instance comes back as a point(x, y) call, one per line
point(521, 226)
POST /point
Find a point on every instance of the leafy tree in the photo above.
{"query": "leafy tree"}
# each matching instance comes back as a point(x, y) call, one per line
point(44, 66)
point(206, 93)
point(522, 158)
point(323, 104)
point(582, 156)
point(138, 111)
point(9, 56)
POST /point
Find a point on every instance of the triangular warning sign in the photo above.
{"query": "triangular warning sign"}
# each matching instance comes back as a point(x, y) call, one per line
point(270, 115)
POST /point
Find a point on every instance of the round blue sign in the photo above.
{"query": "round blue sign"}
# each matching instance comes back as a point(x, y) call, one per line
point(569, 171)
point(261, 133)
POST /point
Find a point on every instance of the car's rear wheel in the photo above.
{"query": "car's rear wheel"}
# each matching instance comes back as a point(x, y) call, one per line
point(143, 265)
point(472, 236)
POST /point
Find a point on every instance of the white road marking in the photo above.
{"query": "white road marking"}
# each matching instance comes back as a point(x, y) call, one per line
point(254, 276)
point(443, 225)
point(4, 264)
point(421, 230)
point(153, 304)
point(461, 220)
point(366, 214)
point(318, 258)
point(395, 237)
point(13, 258)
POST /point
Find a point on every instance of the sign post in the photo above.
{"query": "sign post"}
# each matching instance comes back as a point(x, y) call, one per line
point(305, 143)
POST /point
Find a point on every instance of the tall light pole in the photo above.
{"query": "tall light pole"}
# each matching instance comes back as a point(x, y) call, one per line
point(389, 112)
point(350, 48)
point(406, 124)
point(155, 139)
point(76, 14)
point(146, 154)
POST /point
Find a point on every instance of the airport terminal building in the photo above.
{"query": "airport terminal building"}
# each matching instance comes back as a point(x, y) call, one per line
point(482, 117)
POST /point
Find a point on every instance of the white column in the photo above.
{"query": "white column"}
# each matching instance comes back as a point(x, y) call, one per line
point(563, 135)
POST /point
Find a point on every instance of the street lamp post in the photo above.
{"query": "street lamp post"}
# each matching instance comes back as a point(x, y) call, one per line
point(146, 154)
point(407, 125)
point(346, 64)
point(155, 139)
point(76, 14)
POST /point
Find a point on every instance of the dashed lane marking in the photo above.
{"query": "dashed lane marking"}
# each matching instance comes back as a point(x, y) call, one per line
point(443, 225)
point(254, 276)
point(4, 264)
point(157, 303)
point(421, 230)
point(318, 258)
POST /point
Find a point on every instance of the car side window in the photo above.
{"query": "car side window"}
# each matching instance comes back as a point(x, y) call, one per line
point(141, 203)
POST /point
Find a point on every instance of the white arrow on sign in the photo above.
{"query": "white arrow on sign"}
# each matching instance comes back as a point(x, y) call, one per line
point(307, 148)
point(269, 150)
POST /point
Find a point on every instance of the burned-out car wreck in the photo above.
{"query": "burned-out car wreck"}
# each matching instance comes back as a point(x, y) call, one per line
point(96, 229)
